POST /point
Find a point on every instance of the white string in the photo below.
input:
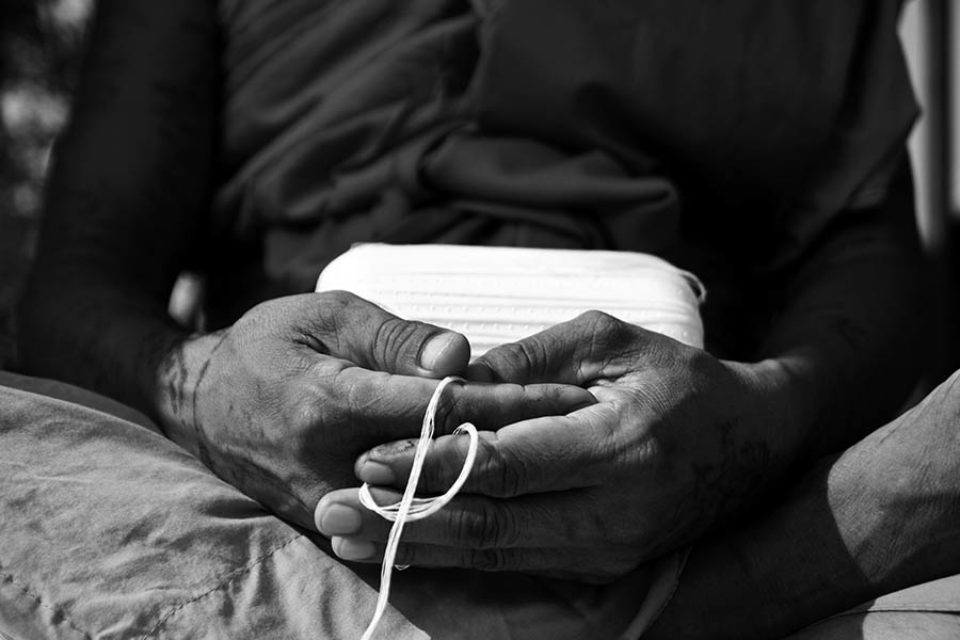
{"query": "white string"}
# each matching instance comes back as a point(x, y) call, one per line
point(411, 508)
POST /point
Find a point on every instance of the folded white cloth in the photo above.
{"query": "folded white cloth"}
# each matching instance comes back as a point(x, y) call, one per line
point(496, 295)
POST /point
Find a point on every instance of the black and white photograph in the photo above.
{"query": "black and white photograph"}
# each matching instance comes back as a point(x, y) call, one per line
point(479, 320)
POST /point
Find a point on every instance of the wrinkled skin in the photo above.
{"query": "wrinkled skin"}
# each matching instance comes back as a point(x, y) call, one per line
point(677, 441)
point(282, 403)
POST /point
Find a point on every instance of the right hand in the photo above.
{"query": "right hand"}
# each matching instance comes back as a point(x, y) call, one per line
point(281, 404)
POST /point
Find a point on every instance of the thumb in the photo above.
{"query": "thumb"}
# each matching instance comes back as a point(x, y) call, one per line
point(375, 339)
point(573, 352)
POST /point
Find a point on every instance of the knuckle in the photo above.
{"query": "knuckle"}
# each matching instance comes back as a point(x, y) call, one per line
point(449, 414)
point(526, 360)
point(606, 335)
point(396, 340)
point(600, 321)
point(508, 361)
point(488, 560)
point(603, 324)
point(438, 473)
point(450, 467)
point(501, 477)
point(328, 317)
point(534, 355)
point(482, 527)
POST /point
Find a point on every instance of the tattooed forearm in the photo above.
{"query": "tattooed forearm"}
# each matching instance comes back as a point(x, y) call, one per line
point(196, 420)
point(180, 379)
point(127, 199)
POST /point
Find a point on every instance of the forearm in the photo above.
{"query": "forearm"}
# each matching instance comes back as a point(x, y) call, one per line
point(126, 199)
point(881, 517)
point(98, 338)
point(846, 342)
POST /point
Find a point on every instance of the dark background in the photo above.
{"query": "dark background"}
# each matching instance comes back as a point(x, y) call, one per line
point(39, 55)
point(40, 51)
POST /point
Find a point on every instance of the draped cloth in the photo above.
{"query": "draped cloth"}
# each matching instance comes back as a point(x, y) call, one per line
point(110, 530)
point(736, 130)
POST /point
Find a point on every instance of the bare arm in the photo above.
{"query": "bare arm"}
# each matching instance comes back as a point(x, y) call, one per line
point(127, 199)
point(881, 517)
point(849, 333)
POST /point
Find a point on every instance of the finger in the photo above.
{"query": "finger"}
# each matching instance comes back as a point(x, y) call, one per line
point(381, 407)
point(357, 330)
point(551, 561)
point(586, 567)
point(589, 555)
point(432, 556)
point(552, 453)
point(574, 352)
point(468, 522)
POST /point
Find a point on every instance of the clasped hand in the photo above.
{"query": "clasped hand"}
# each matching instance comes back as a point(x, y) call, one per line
point(281, 403)
point(676, 441)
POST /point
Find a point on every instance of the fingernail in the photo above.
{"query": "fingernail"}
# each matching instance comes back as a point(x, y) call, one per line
point(350, 549)
point(338, 519)
point(376, 473)
point(436, 347)
point(480, 372)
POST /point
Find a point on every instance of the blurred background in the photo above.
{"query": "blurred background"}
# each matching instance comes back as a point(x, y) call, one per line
point(40, 44)
point(40, 49)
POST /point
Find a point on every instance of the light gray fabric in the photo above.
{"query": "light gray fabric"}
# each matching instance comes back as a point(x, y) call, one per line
point(108, 530)
point(929, 611)
point(885, 625)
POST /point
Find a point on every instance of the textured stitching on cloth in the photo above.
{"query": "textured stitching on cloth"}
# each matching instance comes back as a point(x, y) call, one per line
point(223, 581)
point(57, 611)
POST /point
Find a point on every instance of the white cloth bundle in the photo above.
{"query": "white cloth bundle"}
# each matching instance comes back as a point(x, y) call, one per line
point(496, 295)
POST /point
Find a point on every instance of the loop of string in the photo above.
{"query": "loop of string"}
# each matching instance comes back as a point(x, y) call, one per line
point(411, 508)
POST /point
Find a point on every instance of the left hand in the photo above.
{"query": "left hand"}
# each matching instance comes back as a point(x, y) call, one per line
point(677, 441)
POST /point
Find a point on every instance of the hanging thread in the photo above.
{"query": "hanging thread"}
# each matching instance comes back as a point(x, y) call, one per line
point(410, 508)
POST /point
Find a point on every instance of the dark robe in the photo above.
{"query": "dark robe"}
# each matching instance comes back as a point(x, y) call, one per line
point(724, 136)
